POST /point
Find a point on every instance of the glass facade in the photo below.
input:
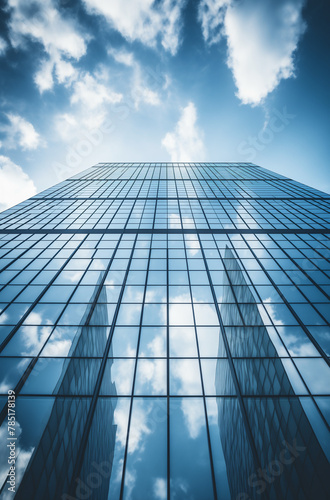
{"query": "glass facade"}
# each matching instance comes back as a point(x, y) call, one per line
point(166, 330)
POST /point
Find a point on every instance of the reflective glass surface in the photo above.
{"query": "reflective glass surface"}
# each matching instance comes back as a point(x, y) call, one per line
point(166, 331)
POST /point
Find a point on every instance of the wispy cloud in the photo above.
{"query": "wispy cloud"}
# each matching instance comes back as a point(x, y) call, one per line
point(185, 143)
point(146, 21)
point(92, 93)
point(211, 14)
point(15, 184)
point(262, 37)
point(160, 488)
point(62, 40)
point(92, 99)
point(20, 133)
point(122, 56)
point(193, 416)
point(141, 91)
point(3, 46)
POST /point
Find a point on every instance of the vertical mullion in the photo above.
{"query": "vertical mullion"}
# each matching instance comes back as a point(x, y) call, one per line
point(37, 356)
point(168, 351)
point(202, 382)
point(134, 376)
point(91, 411)
point(29, 368)
point(168, 372)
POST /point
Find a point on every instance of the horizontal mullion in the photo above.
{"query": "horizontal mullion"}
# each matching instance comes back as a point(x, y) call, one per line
point(164, 231)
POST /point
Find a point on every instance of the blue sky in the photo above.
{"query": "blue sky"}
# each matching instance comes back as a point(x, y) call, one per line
point(88, 81)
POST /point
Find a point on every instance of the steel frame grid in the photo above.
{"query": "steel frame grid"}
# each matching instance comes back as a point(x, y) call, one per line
point(168, 232)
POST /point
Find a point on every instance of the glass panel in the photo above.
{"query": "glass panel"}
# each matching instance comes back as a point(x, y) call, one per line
point(210, 342)
point(181, 314)
point(182, 342)
point(316, 374)
point(124, 342)
point(11, 370)
point(146, 468)
point(179, 294)
point(185, 377)
point(205, 314)
point(27, 341)
point(45, 314)
point(154, 314)
point(152, 342)
point(216, 410)
point(117, 412)
point(263, 376)
point(60, 341)
point(190, 472)
point(32, 416)
point(58, 294)
point(217, 377)
point(118, 377)
point(296, 341)
point(129, 314)
point(150, 377)
point(62, 376)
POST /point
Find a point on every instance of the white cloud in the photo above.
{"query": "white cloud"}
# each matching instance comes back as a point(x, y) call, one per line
point(156, 346)
point(121, 421)
point(83, 124)
point(20, 132)
point(65, 72)
point(262, 37)
point(211, 14)
point(140, 90)
point(143, 20)
point(66, 125)
point(185, 377)
point(44, 77)
point(152, 375)
point(141, 427)
point(130, 481)
point(92, 98)
point(182, 342)
point(4, 316)
point(60, 37)
point(119, 374)
point(274, 314)
point(141, 93)
point(15, 184)
point(34, 338)
point(186, 142)
point(194, 416)
point(3, 46)
point(122, 56)
point(91, 93)
point(160, 488)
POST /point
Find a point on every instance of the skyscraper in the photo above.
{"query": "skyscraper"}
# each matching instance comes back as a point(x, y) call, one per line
point(166, 330)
